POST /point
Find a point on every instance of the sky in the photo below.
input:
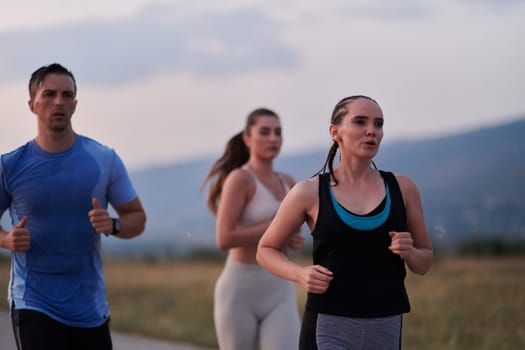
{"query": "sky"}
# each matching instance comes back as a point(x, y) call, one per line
point(169, 81)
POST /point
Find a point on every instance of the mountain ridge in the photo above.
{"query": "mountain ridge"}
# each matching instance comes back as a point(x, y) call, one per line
point(471, 183)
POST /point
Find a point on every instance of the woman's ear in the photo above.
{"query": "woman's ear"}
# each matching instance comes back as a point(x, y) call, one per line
point(334, 132)
point(246, 139)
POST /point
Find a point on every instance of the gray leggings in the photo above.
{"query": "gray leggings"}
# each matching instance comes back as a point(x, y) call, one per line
point(253, 306)
point(346, 333)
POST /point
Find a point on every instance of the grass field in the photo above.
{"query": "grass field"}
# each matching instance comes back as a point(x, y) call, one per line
point(462, 303)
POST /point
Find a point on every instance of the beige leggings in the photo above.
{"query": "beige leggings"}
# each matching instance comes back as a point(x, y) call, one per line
point(253, 307)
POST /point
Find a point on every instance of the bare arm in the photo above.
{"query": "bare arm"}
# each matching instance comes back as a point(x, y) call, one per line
point(132, 219)
point(131, 215)
point(298, 206)
point(413, 246)
point(297, 240)
point(236, 192)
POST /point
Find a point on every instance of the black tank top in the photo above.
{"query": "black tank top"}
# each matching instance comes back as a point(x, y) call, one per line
point(368, 277)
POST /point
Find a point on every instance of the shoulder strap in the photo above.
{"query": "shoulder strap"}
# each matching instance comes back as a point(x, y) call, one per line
point(249, 171)
point(395, 193)
point(282, 178)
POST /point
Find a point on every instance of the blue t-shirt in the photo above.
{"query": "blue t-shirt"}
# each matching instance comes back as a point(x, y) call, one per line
point(61, 274)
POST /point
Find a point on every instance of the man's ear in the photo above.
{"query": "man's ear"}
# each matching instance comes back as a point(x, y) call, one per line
point(30, 104)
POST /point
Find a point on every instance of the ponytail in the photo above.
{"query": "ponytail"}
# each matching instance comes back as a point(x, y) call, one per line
point(235, 154)
point(329, 162)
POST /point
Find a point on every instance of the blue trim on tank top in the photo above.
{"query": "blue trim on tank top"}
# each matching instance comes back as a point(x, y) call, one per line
point(362, 222)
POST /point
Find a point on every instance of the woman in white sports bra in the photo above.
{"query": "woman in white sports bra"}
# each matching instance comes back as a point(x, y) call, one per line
point(252, 308)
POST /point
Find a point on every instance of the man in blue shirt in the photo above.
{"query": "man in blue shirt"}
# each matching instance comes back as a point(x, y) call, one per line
point(57, 188)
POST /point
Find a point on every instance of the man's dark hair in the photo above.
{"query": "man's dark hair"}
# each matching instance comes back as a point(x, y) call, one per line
point(38, 76)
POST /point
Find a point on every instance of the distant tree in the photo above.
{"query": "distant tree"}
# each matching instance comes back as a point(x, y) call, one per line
point(491, 246)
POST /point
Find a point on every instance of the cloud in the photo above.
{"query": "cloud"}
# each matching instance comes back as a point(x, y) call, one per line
point(158, 39)
point(496, 4)
point(390, 10)
point(403, 10)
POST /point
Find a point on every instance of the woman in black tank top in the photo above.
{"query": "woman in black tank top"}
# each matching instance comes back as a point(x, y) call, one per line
point(366, 224)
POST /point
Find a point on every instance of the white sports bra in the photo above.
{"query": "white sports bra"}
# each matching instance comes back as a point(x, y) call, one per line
point(263, 206)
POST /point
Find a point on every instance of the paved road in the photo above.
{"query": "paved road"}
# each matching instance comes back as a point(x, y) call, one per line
point(120, 341)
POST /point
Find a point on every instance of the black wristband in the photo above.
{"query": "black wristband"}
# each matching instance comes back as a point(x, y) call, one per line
point(116, 226)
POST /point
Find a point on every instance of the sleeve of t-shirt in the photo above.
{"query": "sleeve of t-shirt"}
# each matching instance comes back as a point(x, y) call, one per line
point(121, 190)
